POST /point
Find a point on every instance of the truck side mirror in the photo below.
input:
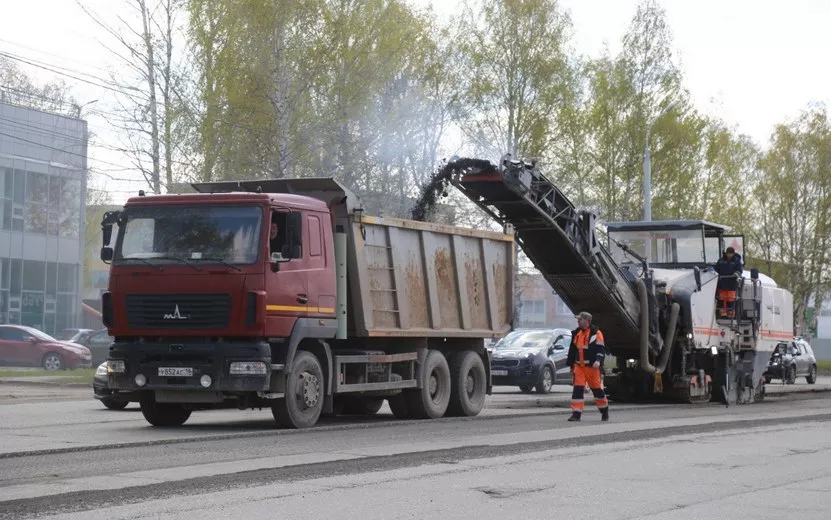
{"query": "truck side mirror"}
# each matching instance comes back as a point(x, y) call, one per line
point(754, 274)
point(697, 276)
point(110, 218)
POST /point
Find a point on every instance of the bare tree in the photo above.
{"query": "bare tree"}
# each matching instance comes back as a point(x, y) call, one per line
point(147, 97)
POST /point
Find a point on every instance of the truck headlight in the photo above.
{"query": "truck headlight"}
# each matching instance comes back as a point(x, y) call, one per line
point(102, 369)
point(116, 366)
point(248, 368)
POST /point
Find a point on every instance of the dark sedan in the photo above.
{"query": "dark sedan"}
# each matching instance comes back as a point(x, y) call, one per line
point(101, 391)
point(532, 359)
point(97, 341)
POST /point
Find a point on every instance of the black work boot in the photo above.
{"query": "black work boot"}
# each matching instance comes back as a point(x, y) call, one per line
point(575, 416)
point(604, 414)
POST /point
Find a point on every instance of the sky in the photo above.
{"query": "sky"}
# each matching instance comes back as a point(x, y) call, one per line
point(753, 63)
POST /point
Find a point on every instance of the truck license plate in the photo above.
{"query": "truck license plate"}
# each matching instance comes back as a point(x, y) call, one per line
point(175, 372)
point(499, 372)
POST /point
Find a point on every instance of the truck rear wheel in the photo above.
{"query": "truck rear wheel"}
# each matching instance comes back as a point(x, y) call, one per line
point(305, 391)
point(468, 385)
point(162, 414)
point(431, 400)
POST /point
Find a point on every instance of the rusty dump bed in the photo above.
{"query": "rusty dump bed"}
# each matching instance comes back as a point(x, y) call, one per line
point(420, 279)
point(407, 278)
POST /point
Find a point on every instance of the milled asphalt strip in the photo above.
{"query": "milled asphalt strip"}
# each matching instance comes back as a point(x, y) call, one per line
point(348, 464)
point(543, 409)
point(372, 423)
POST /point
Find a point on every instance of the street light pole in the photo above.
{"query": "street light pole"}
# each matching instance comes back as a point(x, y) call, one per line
point(647, 177)
point(79, 107)
point(647, 165)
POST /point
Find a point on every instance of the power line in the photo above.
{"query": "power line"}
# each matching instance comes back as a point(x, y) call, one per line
point(61, 58)
point(53, 69)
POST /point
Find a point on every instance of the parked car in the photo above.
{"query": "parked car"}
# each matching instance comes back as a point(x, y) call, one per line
point(26, 346)
point(102, 392)
point(97, 341)
point(791, 360)
point(67, 334)
point(532, 359)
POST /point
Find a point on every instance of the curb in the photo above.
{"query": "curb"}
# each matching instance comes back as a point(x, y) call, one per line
point(47, 384)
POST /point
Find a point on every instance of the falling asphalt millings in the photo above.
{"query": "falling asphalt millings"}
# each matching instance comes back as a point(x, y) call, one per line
point(437, 187)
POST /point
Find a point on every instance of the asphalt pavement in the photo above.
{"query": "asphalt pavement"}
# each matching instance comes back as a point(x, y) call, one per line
point(62, 453)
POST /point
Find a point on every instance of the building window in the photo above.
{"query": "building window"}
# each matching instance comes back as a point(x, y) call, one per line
point(36, 218)
point(54, 216)
point(19, 186)
point(562, 308)
point(4, 306)
point(6, 175)
point(51, 278)
point(532, 313)
point(70, 214)
point(34, 275)
point(16, 275)
point(37, 188)
point(67, 278)
point(4, 273)
point(7, 214)
point(32, 309)
point(6, 192)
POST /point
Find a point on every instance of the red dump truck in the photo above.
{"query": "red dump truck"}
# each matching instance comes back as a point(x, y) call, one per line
point(282, 294)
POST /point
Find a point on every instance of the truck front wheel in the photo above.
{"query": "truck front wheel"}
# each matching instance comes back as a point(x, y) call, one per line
point(162, 414)
point(431, 400)
point(468, 385)
point(305, 391)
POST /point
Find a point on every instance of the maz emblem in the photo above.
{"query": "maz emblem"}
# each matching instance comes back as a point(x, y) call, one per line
point(176, 315)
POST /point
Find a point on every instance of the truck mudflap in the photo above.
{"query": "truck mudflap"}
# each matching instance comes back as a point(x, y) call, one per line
point(183, 366)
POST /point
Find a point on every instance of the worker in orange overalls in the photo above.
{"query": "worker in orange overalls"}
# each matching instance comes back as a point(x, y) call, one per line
point(585, 357)
point(729, 268)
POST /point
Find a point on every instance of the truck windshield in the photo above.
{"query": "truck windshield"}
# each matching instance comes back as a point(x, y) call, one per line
point(171, 234)
point(668, 247)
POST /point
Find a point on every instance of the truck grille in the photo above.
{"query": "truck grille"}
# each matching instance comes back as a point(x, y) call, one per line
point(178, 311)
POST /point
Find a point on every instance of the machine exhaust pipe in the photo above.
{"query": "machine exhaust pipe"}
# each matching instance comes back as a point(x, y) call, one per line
point(668, 340)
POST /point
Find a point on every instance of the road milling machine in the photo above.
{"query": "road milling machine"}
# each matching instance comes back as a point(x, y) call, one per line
point(651, 288)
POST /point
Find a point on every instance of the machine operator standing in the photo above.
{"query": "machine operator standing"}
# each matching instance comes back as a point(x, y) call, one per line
point(585, 357)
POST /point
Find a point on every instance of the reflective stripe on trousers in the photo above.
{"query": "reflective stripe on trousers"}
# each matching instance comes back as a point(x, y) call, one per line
point(582, 376)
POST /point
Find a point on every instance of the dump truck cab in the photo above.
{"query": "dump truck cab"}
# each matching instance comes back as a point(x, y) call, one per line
point(200, 276)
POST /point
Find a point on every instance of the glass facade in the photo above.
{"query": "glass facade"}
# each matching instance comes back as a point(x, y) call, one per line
point(42, 192)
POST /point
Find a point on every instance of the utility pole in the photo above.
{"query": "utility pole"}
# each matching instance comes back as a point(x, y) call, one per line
point(647, 176)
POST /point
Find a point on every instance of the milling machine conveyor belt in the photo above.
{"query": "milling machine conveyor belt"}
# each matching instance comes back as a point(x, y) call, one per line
point(560, 241)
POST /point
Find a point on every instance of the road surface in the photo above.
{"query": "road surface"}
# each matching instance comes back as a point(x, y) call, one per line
point(69, 458)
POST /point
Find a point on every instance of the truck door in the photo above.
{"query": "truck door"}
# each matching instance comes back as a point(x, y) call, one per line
point(321, 264)
point(286, 288)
